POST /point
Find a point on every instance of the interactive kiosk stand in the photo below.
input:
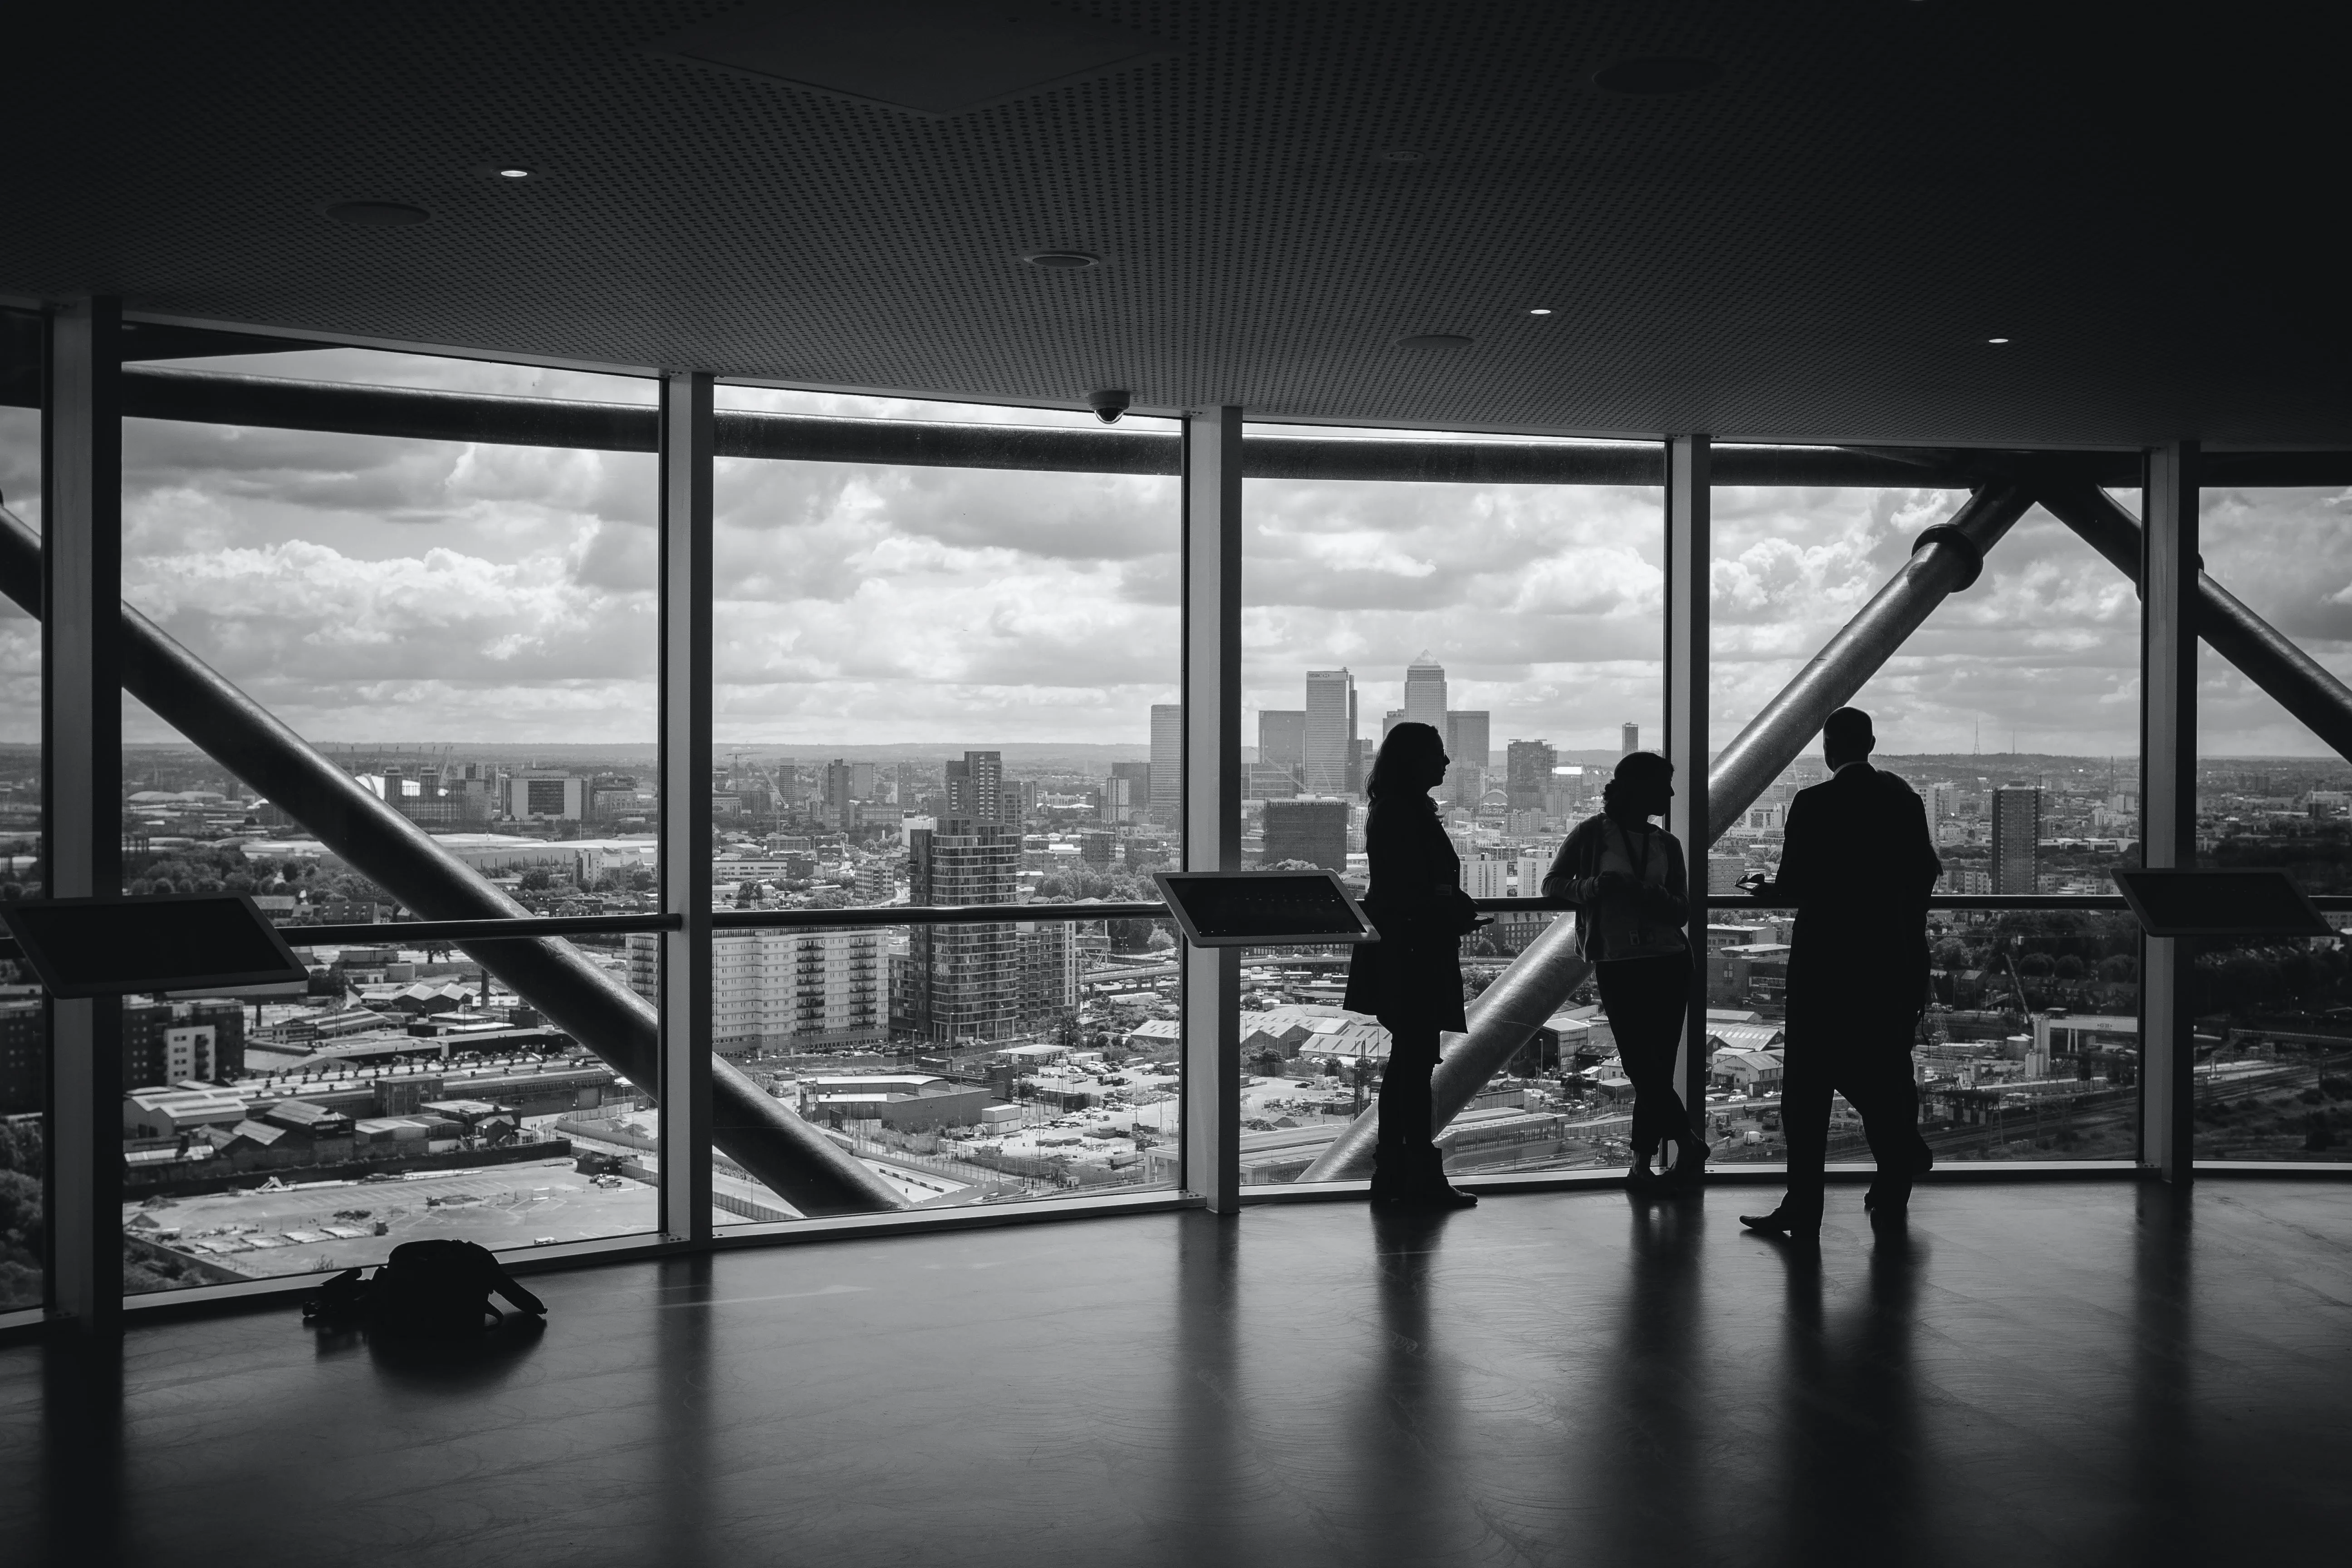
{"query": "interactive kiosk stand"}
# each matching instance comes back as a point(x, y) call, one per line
point(1263, 909)
point(2220, 904)
point(174, 941)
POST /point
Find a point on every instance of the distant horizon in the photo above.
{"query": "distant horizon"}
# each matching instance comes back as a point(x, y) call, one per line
point(21, 752)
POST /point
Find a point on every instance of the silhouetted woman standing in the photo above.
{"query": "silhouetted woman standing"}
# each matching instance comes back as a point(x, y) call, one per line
point(1410, 980)
point(1632, 894)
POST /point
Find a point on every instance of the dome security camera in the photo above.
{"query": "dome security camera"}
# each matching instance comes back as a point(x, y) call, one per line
point(1108, 405)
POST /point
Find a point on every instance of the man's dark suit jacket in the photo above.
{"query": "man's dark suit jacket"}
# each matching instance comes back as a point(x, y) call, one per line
point(1859, 863)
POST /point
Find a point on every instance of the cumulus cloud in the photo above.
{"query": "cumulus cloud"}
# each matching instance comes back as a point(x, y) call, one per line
point(2037, 653)
point(1544, 603)
point(377, 589)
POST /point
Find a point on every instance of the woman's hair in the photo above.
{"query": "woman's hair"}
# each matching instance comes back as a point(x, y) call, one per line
point(1639, 774)
point(1405, 755)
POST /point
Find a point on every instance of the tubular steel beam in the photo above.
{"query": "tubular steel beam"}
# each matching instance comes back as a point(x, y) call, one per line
point(1946, 559)
point(220, 398)
point(1502, 1018)
point(2292, 677)
point(805, 1167)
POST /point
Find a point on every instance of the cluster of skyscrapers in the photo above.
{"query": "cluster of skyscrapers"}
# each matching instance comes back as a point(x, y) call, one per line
point(1320, 749)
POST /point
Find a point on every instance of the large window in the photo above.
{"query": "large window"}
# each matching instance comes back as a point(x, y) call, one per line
point(24, 1016)
point(467, 630)
point(947, 685)
point(940, 681)
point(1525, 622)
point(2013, 710)
point(2273, 1069)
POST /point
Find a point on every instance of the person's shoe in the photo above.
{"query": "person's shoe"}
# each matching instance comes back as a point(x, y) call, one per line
point(1429, 1189)
point(1389, 1182)
point(1689, 1172)
point(1444, 1195)
point(1782, 1225)
point(1640, 1179)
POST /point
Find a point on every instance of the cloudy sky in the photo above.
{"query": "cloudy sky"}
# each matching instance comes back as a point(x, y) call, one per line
point(374, 590)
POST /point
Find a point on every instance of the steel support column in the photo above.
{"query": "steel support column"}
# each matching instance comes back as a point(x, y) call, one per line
point(81, 765)
point(685, 983)
point(2168, 795)
point(1946, 559)
point(1211, 569)
point(1689, 544)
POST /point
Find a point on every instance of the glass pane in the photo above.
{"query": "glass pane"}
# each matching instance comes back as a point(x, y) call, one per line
point(23, 1016)
point(1526, 623)
point(941, 686)
point(2275, 1018)
point(1081, 1100)
point(404, 1096)
point(468, 630)
point(2004, 1073)
point(2013, 710)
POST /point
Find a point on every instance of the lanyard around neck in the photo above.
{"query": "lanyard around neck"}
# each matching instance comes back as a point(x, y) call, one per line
point(1641, 866)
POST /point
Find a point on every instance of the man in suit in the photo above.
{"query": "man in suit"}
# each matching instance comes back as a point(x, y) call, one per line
point(1859, 864)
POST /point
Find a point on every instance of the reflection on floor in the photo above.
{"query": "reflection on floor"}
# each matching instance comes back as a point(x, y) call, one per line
point(2033, 1374)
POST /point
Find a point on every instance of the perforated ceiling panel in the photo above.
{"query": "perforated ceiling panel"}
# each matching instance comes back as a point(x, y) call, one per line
point(1819, 245)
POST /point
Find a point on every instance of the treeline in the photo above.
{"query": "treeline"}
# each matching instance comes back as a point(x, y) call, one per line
point(227, 869)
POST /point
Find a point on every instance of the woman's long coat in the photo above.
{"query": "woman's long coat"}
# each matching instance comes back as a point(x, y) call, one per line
point(1413, 975)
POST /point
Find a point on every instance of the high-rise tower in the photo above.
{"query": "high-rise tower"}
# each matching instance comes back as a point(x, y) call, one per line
point(1282, 739)
point(975, 789)
point(966, 979)
point(1166, 762)
point(1529, 764)
point(2016, 840)
point(1330, 731)
point(1424, 693)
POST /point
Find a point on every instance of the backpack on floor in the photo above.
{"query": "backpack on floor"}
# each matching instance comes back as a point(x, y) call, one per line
point(426, 1290)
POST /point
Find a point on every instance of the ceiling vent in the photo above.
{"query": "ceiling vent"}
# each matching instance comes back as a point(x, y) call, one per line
point(935, 58)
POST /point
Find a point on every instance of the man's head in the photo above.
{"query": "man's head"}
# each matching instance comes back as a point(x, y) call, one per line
point(1847, 738)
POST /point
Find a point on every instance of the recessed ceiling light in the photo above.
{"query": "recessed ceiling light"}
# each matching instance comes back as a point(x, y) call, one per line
point(514, 174)
point(1655, 75)
point(1539, 311)
point(1996, 340)
point(1434, 340)
point(377, 215)
point(1061, 260)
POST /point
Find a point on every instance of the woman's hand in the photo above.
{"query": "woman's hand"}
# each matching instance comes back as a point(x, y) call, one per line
point(1464, 910)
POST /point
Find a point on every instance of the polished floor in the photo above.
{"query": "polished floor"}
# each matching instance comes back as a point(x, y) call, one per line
point(2083, 1374)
